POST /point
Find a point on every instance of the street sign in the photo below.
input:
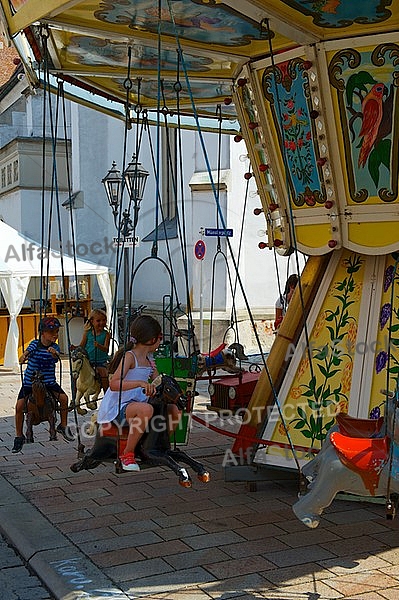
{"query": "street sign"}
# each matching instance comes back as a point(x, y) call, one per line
point(200, 249)
point(218, 232)
point(127, 242)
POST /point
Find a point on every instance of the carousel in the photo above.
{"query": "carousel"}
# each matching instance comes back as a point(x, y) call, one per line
point(311, 87)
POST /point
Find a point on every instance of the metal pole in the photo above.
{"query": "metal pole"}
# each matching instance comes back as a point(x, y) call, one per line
point(126, 271)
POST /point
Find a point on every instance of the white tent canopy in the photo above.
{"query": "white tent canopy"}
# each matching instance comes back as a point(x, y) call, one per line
point(20, 259)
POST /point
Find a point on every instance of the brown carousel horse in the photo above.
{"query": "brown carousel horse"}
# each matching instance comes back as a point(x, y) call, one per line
point(40, 407)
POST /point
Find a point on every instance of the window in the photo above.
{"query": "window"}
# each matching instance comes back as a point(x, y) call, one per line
point(3, 177)
point(170, 175)
point(9, 174)
point(16, 171)
point(170, 187)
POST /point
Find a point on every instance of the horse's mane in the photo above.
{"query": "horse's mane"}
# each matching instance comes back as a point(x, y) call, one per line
point(39, 390)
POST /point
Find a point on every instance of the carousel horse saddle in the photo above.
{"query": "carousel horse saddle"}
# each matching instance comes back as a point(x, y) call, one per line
point(216, 352)
point(359, 428)
point(365, 456)
point(118, 432)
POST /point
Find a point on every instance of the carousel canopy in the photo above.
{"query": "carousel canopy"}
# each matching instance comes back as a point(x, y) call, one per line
point(201, 45)
point(311, 85)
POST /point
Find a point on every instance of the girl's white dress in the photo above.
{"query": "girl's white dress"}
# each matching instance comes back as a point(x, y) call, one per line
point(114, 401)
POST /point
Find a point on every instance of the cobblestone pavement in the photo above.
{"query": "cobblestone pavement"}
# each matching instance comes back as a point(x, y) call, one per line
point(98, 534)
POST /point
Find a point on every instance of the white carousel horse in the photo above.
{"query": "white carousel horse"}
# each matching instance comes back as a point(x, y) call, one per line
point(365, 466)
point(352, 426)
point(87, 384)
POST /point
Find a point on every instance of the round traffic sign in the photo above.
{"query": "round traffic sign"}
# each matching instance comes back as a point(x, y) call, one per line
point(200, 249)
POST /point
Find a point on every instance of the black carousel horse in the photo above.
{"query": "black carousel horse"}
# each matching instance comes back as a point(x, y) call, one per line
point(154, 448)
point(40, 406)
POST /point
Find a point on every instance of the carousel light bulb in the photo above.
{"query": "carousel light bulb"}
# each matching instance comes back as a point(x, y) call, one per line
point(243, 157)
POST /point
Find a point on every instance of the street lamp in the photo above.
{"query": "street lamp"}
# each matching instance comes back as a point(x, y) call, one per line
point(135, 179)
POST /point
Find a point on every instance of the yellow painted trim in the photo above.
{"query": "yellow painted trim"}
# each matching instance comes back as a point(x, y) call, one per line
point(373, 235)
point(287, 334)
point(313, 236)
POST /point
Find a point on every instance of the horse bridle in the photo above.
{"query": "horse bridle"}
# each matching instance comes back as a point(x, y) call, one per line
point(77, 365)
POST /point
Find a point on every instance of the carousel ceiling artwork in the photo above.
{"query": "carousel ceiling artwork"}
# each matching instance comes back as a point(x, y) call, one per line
point(310, 85)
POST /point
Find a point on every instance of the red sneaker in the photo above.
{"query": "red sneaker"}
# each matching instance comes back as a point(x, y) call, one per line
point(128, 462)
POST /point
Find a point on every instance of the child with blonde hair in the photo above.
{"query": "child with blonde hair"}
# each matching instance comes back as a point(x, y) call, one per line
point(95, 340)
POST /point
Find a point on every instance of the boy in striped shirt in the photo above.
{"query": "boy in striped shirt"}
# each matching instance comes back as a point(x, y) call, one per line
point(41, 355)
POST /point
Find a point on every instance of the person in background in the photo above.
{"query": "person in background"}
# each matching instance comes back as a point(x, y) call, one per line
point(284, 299)
point(95, 340)
point(42, 354)
point(131, 385)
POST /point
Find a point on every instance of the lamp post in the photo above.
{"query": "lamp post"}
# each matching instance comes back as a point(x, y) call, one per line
point(135, 178)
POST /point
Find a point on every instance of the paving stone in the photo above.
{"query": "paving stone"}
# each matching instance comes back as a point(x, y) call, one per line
point(388, 538)
point(221, 524)
point(351, 530)
point(367, 596)
point(316, 590)
point(306, 554)
point(186, 560)
point(90, 523)
point(116, 557)
point(167, 582)
point(355, 563)
point(120, 542)
point(254, 547)
point(351, 516)
point(156, 515)
point(362, 544)
point(214, 539)
point(390, 594)
point(361, 582)
point(297, 574)
point(164, 549)
point(260, 532)
point(236, 586)
point(317, 536)
point(180, 531)
point(101, 533)
point(240, 566)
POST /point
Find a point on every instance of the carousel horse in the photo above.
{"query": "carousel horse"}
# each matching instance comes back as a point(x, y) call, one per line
point(222, 357)
point(87, 383)
point(154, 448)
point(40, 407)
point(351, 426)
point(365, 465)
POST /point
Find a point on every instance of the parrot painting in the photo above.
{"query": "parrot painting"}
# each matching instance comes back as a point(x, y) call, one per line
point(372, 111)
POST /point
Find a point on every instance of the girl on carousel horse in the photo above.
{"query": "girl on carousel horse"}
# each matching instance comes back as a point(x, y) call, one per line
point(95, 341)
point(131, 386)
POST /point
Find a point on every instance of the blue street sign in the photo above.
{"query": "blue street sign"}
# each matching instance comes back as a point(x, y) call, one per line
point(219, 232)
